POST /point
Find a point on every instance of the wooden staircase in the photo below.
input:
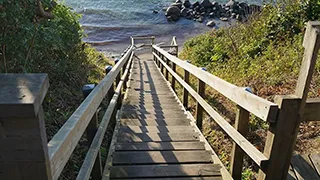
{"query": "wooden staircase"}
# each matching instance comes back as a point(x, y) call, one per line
point(156, 138)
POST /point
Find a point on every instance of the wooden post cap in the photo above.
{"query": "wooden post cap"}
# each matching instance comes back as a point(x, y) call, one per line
point(21, 95)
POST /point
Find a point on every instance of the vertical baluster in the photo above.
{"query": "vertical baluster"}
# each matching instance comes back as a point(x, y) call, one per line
point(242, 125)
point(199, 109)
point(185, 99)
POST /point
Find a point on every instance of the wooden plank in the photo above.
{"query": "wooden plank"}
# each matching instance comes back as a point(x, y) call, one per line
point(282, 135)
point(161, 157)
point(312, 110)
point(242, 125)
point(151, 106)
point(315, 159)
point(153, 171)
point(199, 110)
point(242, 142)
point(93, 152)
point(185, 98)
point(260, 107)
point(291, 174)
point(157, 137)
point(159, 146)
point(302, 168)
point(154, 116)
point(156, 129)
point(64, 142)
point(142, 37)
point(177, 178)
point(17, 90)
point(138, 122)
point(173, 80)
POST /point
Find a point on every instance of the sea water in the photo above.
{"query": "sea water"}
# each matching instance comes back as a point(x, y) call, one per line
point(108, 24)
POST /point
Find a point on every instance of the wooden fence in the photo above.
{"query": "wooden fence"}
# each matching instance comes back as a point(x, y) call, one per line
point(25, 153)
point(283, 117)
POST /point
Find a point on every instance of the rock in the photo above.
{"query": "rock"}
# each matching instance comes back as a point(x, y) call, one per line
point(200, 19)
point(211, 24)
point(179, 5)
point(202, 9)
point(233, 15)
point(178, 1)
point(215, 4)
point(212, 15)
point(230, 4)
point(187, 4)
point(155, 12)
point(184, 12)
point(224, 19)
point(206, 4)
point(196, 4)
point(173, 12)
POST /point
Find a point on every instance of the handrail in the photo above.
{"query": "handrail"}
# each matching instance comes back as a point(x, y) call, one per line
point(241, 141)
point(65, 140)
point(87, 165)
point(260, 107)
point(174, 41)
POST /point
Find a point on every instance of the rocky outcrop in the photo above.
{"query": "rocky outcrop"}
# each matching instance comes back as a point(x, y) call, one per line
point(206, 10)
point(173, 13)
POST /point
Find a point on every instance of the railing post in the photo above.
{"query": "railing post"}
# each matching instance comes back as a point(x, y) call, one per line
point(242, 125)
point(173, 80)
point(162, 67)
point(132, 41)
point(23, 139)
point(91, 130)
point(167, 71)
point(185, 99)
point(199, 109)
point(282, 134)
point(111, 90)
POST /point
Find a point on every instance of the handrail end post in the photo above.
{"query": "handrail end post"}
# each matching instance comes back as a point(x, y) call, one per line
point(21, 112)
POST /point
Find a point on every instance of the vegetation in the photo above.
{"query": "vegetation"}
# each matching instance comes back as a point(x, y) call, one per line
point(45, 37)
point(265, 54)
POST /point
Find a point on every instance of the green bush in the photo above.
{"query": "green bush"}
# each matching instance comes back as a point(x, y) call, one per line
point(31, 43)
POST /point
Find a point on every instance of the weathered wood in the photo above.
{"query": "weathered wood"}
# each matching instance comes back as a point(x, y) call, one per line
point(185, 98)
point(312, 110)
point(315, 160)
point(23, 139)
point(173, 80)
point(64, 142)
point(139, 122)
point(242, 125)
point(27, 90)
point(89, 161)
point(142, 37)
point(260, 107)
point(280, 143)
point(167, 72)
point(199, 109)
point(277, 147)
point(91, 132)
point(302, 169)
point(157, 137)
point(156, 129)
point(183, 170)
point(291, 174)
point(242, 142)
point(159, 146)
point(184, 178)
point(161, 157)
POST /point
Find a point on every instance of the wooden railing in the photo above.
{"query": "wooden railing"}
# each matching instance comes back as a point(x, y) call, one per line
point(25, 153)
point(283, 117)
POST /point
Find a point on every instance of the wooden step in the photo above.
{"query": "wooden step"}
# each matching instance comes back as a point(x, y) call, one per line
point(159, 116)
point(177, 178)
point(157, 137)
point(151, 106)
point(161, 157)
point(150, 171)
point(156, 129)
point(148, 122)
point(159, 146)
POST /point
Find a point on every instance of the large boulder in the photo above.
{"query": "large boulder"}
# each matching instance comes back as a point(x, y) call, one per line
point(187, 4)
point(173, 13)
point(206, 4)
point(195, 4)
point(211, 24)
point(177, 4)
point(184, 12)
